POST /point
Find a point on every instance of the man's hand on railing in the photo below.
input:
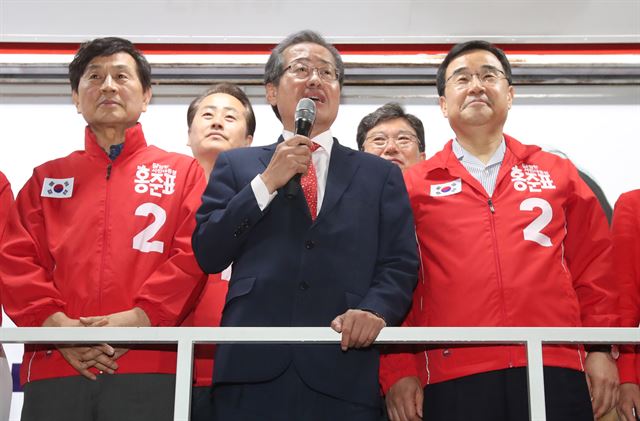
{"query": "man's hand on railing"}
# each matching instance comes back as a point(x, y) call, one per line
point(82, 358)
point(404, 400)
point(629, 403)
point(135, 317)
point(603, 382)
point(359, 328)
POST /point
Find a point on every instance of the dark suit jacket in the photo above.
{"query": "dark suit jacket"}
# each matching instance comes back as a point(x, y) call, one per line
point(289, 271)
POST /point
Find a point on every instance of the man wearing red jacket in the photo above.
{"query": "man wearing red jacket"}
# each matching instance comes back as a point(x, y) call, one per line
point(509, 235)
point(101, 237)
point(219, 120)
point(626, 258)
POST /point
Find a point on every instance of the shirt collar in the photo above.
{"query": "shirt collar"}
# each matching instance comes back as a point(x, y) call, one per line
point(463, 155)
point(114, 151)
point(324, 139)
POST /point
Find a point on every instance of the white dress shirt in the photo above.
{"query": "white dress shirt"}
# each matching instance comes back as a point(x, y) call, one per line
point(320, 159)
point(487, 175)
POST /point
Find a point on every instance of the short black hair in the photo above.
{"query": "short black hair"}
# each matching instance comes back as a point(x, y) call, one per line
point(274, 68)
point(229, 89)
point(389, 111)
point(101, 47)
point(460, 49)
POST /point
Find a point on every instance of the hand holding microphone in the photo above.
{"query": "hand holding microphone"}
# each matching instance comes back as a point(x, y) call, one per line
point(292, 156)
point(305, 117)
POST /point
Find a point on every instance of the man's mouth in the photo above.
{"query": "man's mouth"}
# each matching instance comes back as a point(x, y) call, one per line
point(476, 101)
point(216, 135)
point(317, 98)
point(109, 102)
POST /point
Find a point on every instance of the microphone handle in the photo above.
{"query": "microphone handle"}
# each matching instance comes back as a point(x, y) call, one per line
point(303, 127)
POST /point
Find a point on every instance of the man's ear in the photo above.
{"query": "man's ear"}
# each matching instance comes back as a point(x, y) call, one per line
point(147, 98)
point(511, 93)
point(76, 101)
point(443, 106)
point(271, 93)
point(248, 140)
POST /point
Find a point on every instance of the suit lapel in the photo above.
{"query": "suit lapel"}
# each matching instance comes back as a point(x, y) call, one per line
point(342, 166)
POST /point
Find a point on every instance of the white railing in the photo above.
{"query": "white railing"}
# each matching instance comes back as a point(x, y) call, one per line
point(185, 337)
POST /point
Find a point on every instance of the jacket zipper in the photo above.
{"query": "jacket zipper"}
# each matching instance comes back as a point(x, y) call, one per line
point(104, 234)
point(494, 240)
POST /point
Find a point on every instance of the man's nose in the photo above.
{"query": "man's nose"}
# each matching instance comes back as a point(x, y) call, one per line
point(217, 121)
point(314, 78)
point(108, 84)
point(475, 84)
point(391, 148)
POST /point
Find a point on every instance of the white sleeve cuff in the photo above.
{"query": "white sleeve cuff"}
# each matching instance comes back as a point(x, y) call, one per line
point(261, 192)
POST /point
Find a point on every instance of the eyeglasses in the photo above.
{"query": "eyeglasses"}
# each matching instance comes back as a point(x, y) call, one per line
point(487, 77)
point(402, 141)
point(302, 71)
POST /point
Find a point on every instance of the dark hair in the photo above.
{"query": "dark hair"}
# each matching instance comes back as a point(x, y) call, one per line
point(389, 111)
point(274, 68)
point(101, 47)
point(460, 49)
point(229, 89)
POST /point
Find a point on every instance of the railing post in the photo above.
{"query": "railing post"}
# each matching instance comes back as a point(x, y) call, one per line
point(184, 380)
point(535, 377)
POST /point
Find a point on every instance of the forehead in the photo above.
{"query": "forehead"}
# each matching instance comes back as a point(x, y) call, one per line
point(122, 60)
point(221, 100)
point(309, 51)
point(392, 126)
point(474, 59)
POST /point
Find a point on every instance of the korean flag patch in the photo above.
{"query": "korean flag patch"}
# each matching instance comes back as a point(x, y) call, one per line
point(446, 189)
point(57, 188)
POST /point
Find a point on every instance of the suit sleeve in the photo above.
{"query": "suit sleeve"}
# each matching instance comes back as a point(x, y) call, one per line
point(626, 259)
point(588, 255)
point(171, 291)
point(227, 214)
point(398, 361)
point(396, 267)
point(29, 293)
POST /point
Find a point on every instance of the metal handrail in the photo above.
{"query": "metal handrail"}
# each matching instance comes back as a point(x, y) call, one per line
point(185, 337)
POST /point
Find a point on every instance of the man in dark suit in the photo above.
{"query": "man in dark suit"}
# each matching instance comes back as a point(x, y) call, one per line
point(340, 253)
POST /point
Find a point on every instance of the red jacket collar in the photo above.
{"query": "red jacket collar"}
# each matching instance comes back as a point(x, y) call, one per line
point(446, 158)
point(133, 141)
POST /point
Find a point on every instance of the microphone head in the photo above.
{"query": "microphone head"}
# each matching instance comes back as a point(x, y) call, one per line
point(306, 110)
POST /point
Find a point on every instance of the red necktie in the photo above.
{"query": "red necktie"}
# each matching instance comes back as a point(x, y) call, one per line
point(309, 182)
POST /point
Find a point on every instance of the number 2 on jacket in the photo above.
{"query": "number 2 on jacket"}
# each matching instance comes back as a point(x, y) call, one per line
point(142, 240)
point(532, 232)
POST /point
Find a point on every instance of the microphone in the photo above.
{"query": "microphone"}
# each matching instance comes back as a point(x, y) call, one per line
point(304, 118)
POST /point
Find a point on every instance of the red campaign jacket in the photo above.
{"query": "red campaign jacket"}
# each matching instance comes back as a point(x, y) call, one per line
point(537, 253)
point(626, 258)
point(6, 201)
point(91, 236)
point(207, 312)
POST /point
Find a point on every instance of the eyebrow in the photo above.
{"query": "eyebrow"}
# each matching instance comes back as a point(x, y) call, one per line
point(402, 131)
point(307, 60)
point(212, 107)
point(483, 67)
point(117, 66)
